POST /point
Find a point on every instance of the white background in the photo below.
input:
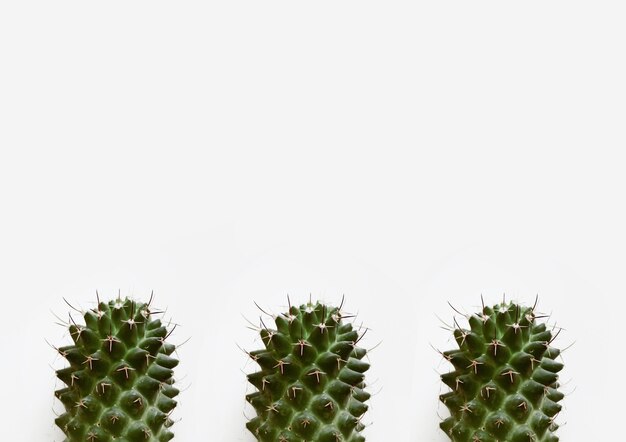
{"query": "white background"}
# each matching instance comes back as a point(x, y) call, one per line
point(399, 153)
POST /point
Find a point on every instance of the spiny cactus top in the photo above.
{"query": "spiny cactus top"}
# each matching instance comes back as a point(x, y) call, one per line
point(504, 383)
point(119, 384)
point(311, 383)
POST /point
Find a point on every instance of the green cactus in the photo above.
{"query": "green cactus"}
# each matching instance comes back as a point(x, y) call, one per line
point(310, 386)
point(119, 384)
point(504, 386)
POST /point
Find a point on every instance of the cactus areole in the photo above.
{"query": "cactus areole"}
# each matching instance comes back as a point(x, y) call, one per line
point(310, 386)
point(119, 383)
point(504, 386)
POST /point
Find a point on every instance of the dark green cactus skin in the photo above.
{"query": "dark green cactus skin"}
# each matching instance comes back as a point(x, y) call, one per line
point(504, 384)
point(119, 384)
point(311, 383)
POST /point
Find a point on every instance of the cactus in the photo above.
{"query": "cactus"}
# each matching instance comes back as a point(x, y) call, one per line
point(310, 386)
point(504, 386)
point(119, 385)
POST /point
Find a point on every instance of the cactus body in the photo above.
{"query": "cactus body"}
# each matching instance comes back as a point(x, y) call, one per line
point(504, 384)
point(119, 384)
point(310, 386)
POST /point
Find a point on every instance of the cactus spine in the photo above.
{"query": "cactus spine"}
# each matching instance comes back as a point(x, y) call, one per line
point(310, 386)
point(504, 386)
point(119, 384)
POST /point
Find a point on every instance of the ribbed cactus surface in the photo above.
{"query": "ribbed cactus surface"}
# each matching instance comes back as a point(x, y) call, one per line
point(504, 386)
point(119, 382)
point(310, 386)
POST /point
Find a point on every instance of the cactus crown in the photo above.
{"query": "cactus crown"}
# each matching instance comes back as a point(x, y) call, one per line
point(504, 386)
point(311, 381)
point(119, 384)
